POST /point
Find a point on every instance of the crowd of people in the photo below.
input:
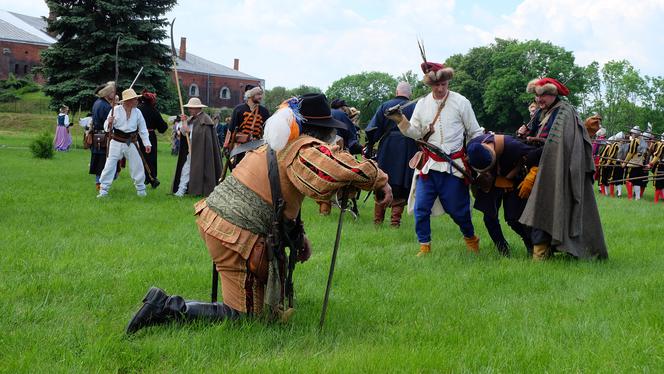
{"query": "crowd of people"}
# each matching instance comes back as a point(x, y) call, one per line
point(427, 156)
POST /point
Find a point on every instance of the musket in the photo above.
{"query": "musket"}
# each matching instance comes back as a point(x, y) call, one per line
point(342, 205)
point(115, 93)
point(227, 152)
point(619, 160)
point(177, 82)
point(440, 153)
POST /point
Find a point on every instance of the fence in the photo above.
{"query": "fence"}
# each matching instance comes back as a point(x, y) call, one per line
point(36, 106)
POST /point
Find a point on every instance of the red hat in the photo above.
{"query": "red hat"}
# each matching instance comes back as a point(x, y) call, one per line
point(435, 72)
point(544, 86)
point(150, 97)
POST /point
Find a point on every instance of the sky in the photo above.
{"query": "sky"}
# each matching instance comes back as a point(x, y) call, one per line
point(315, 42)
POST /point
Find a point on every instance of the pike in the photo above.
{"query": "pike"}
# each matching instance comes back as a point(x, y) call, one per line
point(177, 82)
point(343, 204)
point(135, 79)
point(650, 177)
point(115, 93)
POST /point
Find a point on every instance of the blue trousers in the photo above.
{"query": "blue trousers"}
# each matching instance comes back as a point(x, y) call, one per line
point(453, 194)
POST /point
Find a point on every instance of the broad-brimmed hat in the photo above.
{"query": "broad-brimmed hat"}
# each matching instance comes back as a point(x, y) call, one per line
point(315, 109)
point(106, 89)
point(194, 102)
point(129, 94)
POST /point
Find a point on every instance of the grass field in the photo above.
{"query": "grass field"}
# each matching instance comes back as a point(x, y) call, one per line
point(73, 270)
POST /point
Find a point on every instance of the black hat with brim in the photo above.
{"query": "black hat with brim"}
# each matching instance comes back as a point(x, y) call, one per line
point(315, 109)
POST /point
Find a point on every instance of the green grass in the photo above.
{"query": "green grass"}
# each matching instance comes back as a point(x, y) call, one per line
point(73, 270)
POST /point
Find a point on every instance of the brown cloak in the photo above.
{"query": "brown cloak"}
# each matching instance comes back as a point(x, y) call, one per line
point(562, 202)
point(205, 158)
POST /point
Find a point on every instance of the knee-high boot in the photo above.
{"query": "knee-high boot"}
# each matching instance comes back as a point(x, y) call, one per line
point(379, 213)
point(159, 308)
point(397, 211)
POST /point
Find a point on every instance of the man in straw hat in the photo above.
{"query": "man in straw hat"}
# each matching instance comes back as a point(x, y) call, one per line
point(197, 173)
point(561, 209)
point(446, 119)
point(236, 219)
point(126, 123)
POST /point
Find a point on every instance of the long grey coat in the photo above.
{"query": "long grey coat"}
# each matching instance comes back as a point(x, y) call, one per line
point(562, 201)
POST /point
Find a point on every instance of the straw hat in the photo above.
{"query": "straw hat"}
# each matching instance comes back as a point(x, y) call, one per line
point(129, 94)
point(194, 102)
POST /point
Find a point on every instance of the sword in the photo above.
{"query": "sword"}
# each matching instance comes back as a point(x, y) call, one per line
point(343, 205)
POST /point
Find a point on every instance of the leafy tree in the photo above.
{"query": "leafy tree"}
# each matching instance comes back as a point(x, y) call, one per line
point(416, 83)
point(278, 94)
point(364, 91)
point(494, 78)
point(624, 87)
point(84, 55)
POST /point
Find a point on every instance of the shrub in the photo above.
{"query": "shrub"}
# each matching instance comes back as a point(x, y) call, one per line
point(42, 146)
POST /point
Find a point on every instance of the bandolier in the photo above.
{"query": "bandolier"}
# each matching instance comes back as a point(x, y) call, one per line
point(635, 165)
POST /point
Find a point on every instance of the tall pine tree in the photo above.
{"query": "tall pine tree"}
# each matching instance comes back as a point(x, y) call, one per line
point(84, 55)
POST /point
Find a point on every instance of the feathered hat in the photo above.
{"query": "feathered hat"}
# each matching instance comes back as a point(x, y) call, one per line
point(433, 71)
point(284, 125)
point(547, 86)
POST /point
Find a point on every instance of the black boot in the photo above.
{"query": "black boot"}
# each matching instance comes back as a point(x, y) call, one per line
point(159, 308)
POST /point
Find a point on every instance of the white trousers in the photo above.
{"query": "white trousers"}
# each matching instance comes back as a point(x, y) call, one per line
point(116, 151)
point(184, 176)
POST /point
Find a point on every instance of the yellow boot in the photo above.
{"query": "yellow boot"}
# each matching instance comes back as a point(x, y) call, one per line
point(425, 248)
point(473, 244)
point(541, 252)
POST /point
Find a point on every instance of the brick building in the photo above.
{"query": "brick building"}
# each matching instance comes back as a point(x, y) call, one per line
point(216, 85)
point(22, 38)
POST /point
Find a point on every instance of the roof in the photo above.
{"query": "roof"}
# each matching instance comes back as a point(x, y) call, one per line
point(32, 30)
point(196, 64)
point(23, 29)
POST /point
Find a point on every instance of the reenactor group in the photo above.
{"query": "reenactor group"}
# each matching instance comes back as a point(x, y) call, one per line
point(634, 161)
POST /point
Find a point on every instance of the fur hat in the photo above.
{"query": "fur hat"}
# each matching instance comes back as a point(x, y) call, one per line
point(251, 92)
point(436, 73)
point(547, 86)
point(593, 124)
point(106, 89)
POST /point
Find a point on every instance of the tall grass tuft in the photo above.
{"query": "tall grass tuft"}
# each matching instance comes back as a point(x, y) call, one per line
point(42, 146)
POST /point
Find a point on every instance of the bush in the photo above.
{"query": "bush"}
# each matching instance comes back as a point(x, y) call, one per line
point(42, 146)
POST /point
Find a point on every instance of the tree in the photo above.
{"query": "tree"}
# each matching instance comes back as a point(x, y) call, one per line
point(416, 83)
point(84, 55)
point(494, 78)
point(278, 94)
point(364, 91)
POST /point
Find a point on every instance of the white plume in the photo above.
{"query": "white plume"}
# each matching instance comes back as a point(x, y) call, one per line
point(277, 128)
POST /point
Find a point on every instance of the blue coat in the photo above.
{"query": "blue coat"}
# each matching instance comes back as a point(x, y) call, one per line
point(394, 149)
point(349, 135)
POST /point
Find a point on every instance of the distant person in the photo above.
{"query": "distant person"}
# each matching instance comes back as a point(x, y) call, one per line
point(247, 121)
point(198, 172)
point(62, 140)
point(394, 152)
point(125, 123)
point(100, 110)
point(154, 122)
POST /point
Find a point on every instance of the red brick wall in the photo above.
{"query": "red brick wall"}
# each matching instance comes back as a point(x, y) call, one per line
point(19, 59)
point(212, 85)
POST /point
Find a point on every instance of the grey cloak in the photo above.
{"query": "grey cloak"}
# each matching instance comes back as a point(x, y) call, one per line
point(562, 202)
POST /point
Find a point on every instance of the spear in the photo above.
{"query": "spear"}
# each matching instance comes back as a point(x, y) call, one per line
point(177, 82)
point(115, 93)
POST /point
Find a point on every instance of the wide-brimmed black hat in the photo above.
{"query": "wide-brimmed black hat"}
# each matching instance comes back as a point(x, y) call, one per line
point(316, 111)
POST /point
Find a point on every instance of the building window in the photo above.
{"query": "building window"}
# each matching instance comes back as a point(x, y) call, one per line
point(193, 90)
point(225, 93)
point(16, 69)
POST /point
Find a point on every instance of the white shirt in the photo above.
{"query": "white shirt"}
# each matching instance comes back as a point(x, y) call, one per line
point(456, 119)
point(131, 124)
